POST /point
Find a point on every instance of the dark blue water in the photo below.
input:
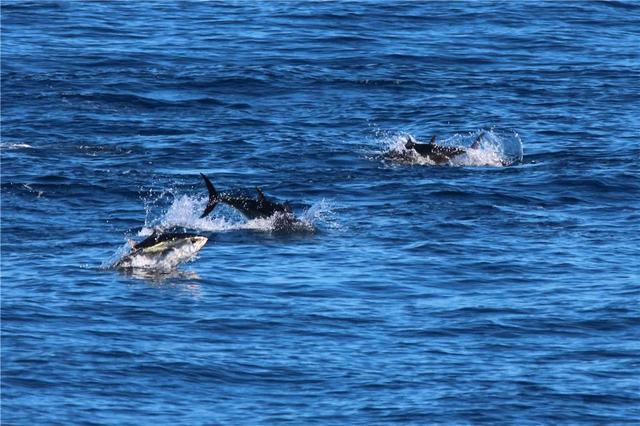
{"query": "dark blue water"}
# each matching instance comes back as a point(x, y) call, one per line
point(465, 293)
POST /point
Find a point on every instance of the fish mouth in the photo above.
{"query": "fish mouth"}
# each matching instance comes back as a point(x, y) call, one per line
point(198, 242)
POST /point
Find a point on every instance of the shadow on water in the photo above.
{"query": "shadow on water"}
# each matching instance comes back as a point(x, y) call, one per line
point(159, 277)
point(182, 281)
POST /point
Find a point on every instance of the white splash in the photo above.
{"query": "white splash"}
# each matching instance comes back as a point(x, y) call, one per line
point(322, 212)
point(185, 212)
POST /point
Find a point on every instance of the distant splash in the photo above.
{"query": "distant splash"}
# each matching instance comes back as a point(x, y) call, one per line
point(14, 146)
point(497, 149)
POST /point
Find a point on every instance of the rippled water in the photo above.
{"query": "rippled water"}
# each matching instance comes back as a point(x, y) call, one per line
point(464, 293)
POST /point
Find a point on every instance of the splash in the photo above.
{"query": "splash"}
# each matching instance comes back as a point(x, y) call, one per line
point(180, 214)
point(322, 212)
point(184, 212)
point(497, 149)
point(121, 252)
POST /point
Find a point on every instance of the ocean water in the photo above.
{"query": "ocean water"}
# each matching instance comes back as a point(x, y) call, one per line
point(500, 288)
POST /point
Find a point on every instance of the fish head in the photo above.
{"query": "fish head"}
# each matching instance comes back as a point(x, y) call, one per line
point(198, 242)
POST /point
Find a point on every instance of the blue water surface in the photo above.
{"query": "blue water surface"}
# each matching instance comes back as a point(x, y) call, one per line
point(456, 294)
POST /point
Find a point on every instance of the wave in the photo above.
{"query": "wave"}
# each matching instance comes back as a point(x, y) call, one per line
point(141, 101)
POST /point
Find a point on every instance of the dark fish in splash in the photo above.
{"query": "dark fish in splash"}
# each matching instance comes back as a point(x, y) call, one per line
point(439, 154)
point(254, 208)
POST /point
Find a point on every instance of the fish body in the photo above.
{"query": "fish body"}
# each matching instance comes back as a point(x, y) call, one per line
point(439, 154)
point(162, 250)
point(251, 208)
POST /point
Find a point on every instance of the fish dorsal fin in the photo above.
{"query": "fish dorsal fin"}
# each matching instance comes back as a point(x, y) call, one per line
point(261, 196)
point(410, 143)
point(433, 140)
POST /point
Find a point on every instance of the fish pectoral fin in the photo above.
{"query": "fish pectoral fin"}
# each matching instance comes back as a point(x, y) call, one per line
point(157, 248)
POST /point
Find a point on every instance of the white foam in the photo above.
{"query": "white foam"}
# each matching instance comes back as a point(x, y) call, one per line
point(12, 146)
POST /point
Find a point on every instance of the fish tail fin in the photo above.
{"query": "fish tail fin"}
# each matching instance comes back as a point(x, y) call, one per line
point(476, 144)
point(213, 196)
